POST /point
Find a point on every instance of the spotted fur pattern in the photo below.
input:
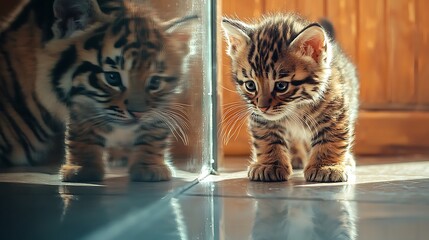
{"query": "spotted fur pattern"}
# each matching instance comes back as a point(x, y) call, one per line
point(302, 92)
point(107, 72)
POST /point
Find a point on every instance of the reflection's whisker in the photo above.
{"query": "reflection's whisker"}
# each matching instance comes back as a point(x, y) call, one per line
point(174, 122)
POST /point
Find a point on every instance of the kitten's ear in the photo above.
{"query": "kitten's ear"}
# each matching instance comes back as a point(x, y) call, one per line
point(180, 29)
point(236, 35)
point(73, 15)
point(312, 42)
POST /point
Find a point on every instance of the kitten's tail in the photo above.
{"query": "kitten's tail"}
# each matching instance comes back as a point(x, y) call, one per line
point(328, 26)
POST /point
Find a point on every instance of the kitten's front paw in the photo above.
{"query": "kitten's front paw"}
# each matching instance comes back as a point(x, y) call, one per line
point(74, 173)
point(269, 173)
point(335, 173)
point(150, 173)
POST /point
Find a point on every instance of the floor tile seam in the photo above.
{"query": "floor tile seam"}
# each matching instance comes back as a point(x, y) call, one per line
point(303, 199)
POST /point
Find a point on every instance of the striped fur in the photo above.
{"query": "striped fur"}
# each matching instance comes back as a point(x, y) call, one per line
point(302, 93)
point(105, 72)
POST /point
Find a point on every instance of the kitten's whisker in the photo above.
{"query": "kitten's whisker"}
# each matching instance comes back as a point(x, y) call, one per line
point(231, 109)
point(244, 121)
point(232, 103)
point(229, 129)
point(229, 118)
point(239, 105)
point(235, 132)
point(227, 89)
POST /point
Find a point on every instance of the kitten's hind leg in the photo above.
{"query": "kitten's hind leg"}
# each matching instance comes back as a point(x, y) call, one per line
point(299, 154)
point(117, 156)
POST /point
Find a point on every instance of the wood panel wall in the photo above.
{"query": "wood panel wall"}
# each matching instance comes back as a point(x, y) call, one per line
point(388, 40)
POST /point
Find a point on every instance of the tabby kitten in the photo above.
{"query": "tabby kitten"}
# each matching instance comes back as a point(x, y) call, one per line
point(303, 95)
point(111, 77)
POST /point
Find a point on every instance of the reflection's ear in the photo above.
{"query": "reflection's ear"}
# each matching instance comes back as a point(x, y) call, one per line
point(73, 15)
point(180, 29)
point(236, 35)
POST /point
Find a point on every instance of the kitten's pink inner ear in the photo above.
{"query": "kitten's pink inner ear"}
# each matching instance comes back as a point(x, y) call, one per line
point(313, 47)
point(234, 43)
point(312, 43)
point(182, 37)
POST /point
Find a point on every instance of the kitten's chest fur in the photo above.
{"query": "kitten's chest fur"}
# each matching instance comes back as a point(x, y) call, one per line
point(121, 136)
point(296, 129)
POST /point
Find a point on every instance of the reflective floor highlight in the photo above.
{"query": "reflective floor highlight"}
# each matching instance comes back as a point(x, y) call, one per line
point(383, 201)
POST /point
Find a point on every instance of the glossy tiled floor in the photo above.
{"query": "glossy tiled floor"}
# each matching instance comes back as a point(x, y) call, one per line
point(383, 201)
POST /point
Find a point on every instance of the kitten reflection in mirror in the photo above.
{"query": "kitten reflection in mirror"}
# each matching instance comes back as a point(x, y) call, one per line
point(301, 97)
point(308, 219)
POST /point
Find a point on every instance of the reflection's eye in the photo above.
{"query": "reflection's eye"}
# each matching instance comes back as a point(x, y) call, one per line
point(154, 83)
point(281, 86)
point(250, 86)
point(113, 78)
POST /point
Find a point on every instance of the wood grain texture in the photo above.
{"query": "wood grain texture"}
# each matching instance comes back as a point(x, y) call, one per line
point(282, 6)
point(311, 9)
point(422, 57)
point(344, 17)
point(372, 61)
point(401, 48)
point(387, 132)
point(242, 9)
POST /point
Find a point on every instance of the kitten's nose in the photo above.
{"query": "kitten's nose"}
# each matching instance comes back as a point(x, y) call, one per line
point(136, 114)
point(264, 108)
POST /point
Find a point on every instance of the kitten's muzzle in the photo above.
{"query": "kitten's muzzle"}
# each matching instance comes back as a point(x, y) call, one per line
point(264, 109)
point(136, 105)
point(136, 114)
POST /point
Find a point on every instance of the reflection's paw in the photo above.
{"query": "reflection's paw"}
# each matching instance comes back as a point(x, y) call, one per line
point(150, 173)
point(269, 173)
point(335, 173)
point(74, 173)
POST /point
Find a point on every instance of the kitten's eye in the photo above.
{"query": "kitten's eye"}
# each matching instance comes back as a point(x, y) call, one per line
point(250, 86)
point(281, 86)
point(154, 83)
point(113, 78)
